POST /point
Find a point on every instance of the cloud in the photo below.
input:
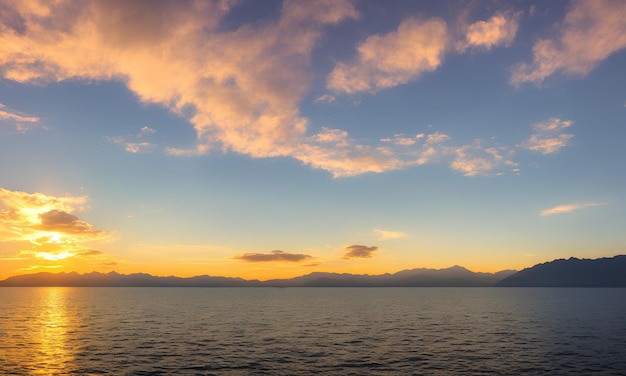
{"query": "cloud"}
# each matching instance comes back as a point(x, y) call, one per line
point(138, 147)
point(240, 86)
point(500, 29)
point(42, 227)
point(359, 251)
point(147, 130)
point(475, 159)
point(590, 33)
point(20, 121)
point(384, 61)
point(568, 208)
point(60, 221)
point(243, 85)
point(325, 98)
point(273, 256)
point(416, 47)
point(389, 235)
point(548, 136)
point(133, 143)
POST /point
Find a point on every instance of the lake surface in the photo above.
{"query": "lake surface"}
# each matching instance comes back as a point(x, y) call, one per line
point(304, 331)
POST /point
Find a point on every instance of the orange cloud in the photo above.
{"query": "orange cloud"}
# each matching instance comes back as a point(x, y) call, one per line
point(561, 209)
point(392, 59)
point(242, 86)
point(500, 29)
point(549, 136)
point(41, 227)
point(591, 32)
point(474, 159)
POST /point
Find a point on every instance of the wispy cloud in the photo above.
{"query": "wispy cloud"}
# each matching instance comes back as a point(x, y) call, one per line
point(20, 121)
point(475, 159)
point(591, 32)
point(325, 98)
point(274, 256)
point(135, 143)
point(388, 234)
point(359, 251)
point(568, 208)
point(548, 136)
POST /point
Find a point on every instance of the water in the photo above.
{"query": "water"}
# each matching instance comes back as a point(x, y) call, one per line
point(304, 331)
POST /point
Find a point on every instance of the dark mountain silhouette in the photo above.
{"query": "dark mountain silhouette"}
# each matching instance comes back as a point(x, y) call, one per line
point(114, 279)
point(603, 272)
point(454, 276)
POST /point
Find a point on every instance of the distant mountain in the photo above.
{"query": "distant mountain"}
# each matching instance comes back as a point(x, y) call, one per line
point(114, 279)
point(603, 272)
point(456, 276)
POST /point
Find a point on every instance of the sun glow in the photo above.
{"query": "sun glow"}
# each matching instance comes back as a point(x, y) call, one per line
point(49, 256)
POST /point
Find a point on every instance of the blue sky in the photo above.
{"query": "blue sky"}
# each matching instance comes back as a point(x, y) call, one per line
point(270, 139)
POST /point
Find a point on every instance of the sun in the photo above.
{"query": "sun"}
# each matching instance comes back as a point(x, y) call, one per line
point(49, 256)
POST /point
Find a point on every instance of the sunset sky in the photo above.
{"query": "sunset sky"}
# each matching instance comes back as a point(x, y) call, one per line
point(266, 139)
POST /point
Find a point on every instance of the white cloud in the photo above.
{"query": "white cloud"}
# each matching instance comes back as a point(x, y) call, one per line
point(146, 130)
point(389, 235)
point(568, 208)
point(591, 32)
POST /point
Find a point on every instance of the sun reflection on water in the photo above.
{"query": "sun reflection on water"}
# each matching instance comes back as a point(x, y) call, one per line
point(54, 325)
point(40, 340)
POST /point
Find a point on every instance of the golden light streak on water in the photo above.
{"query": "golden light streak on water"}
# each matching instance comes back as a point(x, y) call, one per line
point(51, 326)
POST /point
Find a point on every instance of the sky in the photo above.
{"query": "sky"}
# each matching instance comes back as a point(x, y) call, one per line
point(270, 139)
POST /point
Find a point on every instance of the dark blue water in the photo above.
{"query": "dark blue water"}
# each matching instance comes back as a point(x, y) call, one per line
point(304, 331)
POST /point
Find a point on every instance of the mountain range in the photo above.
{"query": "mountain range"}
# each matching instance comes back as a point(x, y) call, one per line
point(573, 272)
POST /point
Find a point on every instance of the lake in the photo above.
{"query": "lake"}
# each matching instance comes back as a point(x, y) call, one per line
point(304, 331)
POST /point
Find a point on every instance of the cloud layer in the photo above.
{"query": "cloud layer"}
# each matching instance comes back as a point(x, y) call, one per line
point(241, 86)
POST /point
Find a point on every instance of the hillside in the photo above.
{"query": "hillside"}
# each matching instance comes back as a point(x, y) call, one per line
point(573, 272)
